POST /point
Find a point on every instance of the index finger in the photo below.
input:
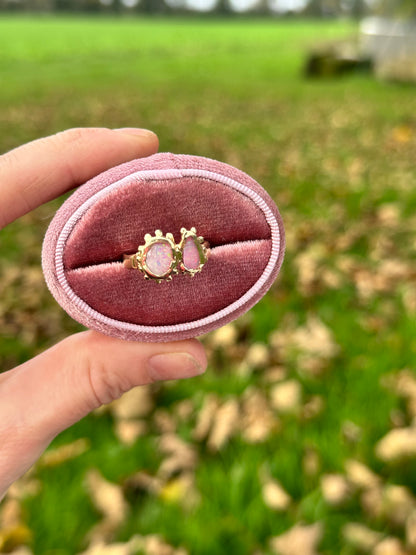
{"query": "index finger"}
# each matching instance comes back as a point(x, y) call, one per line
point(44, 169)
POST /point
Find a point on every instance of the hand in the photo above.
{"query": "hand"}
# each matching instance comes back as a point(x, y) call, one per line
point(54, 390)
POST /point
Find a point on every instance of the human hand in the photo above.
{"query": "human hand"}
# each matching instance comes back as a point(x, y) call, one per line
point(49, 393)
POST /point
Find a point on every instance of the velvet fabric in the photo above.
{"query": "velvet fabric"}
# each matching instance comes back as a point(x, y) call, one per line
point(109, 216)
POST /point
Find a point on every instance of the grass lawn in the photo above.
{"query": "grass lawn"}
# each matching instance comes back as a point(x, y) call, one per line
point(315, 375)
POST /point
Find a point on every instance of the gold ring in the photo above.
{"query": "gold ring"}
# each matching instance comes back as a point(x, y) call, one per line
point(160, 258)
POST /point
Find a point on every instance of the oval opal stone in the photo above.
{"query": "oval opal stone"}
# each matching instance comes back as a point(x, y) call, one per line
point(190, 255)
point(159, 259)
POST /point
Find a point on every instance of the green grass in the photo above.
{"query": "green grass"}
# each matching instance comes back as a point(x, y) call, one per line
point(330, 154)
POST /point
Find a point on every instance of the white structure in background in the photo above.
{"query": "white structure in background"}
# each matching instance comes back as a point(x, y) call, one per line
point(391, 44)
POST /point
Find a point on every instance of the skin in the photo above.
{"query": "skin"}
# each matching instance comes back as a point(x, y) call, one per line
point(52, 391)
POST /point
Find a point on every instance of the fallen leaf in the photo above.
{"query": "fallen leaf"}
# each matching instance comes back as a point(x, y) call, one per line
point(311, 462)
point(226, 424)
point(136, 403)
point(258, 421)
point(224, 337)
point(274, 495)
point(398, 504)
point(313, 407)
point(397, 445)
point(371, 500)
point(275, 374)
point(286, 396)
point(164, 421)
point(360, 537)
point(13, 530)
point(410, 530)
point(60, 455)
point(360, 476)
point(108, 499)
point(389, 546)
point(206, 417)
point(335, 489)
point(181, 456)
point(257, 356)
point(301, 539)
point(128, 431)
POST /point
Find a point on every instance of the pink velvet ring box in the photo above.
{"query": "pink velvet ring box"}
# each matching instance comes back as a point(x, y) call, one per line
point(109, 216)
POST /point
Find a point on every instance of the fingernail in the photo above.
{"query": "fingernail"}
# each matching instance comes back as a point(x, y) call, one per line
point(136, 131)
point(172, 366)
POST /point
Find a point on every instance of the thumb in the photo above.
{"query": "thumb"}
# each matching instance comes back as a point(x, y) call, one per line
point(47, 394)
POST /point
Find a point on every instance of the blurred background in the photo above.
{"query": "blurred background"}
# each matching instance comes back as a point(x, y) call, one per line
point(301, 437)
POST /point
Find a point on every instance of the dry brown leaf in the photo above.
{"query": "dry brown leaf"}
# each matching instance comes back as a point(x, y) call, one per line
point(389, 214)
point(286, 396)
point(226, 424)
point(401, 133)
point(26, 486)
point(313, 407)
point(335, 489)
point(129, 548)
point(397, 445)
point(184, 409)
point(224, 337)
point(165, 421)
point(13, 530)
point(313, 344)
point(60, 455)
point(128, 431)
point(143, 482)
point(398, 504)
point(22, 550)
point(275, 374)
point(405, 386)
point(371, 501)
point(311, 462)
point(360, 476)
point(301, 539)
point(308, 264)
point(274, 495)
point(351, 432)
point(258, 421)
point(411, 531)
point(257, 356)
point(136, 403)
point(315, 338)
point(109, 500)
point(155, 545)
point(361, 537)
point(389, 546)
point(181, 456)
point(206, 417)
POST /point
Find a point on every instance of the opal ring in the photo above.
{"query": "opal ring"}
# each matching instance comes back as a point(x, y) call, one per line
point(160, 258)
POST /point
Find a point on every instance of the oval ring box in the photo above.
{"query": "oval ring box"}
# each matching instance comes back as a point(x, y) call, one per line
point(109, 216)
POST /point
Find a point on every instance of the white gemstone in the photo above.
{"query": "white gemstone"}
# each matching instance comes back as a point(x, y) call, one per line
point(159, 259)
point(190, 254)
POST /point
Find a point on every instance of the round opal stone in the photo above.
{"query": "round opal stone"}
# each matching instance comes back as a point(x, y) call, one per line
point(190, 255)
point(159, 259)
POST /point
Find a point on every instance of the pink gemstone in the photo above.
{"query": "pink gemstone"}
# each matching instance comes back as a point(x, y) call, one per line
point(190, 254)
point(159, 259)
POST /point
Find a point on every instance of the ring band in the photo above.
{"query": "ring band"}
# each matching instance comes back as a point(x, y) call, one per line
point(160, 258)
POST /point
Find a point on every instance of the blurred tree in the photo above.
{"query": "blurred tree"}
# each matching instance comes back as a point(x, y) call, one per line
point(391, 8)
point(223, 7)
point(321, 8)
point(152, 6)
